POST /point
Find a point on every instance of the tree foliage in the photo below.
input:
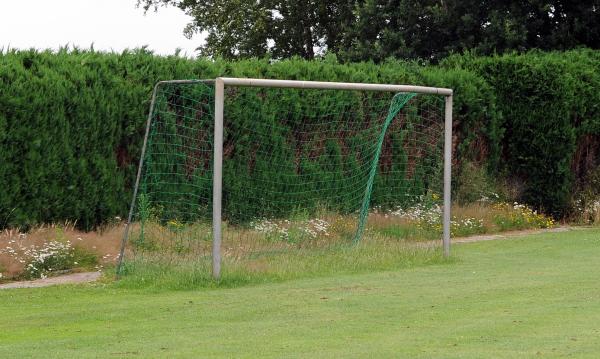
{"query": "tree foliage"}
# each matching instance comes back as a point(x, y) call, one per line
point(250, 28)
point(432, 29)
point(377, 29)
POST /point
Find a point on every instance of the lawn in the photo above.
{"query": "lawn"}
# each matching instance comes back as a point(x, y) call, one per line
point(535, 296)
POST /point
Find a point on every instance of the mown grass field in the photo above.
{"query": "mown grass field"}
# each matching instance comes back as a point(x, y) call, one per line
point(535, 296)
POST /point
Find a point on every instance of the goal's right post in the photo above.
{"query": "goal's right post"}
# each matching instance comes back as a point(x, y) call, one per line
point(447, 173)
point(218, 178)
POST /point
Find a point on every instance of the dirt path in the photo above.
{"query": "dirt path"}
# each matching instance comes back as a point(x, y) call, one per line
point(507, 235)
point(85, 277)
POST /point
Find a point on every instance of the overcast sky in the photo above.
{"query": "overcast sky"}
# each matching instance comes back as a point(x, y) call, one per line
point(109, 24)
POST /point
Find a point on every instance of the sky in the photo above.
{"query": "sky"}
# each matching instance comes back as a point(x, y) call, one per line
point(108, 24)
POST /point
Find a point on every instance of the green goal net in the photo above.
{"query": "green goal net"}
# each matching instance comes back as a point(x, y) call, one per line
point(303, 170)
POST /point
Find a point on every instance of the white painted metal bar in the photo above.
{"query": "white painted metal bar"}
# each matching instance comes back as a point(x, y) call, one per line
point(334, 86)
point(217, 177)
point(447, 174)
point(186, 82)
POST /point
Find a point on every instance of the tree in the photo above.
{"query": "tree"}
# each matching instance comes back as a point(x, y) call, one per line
point(377, 29)
point(246, 28)
point(431, 29)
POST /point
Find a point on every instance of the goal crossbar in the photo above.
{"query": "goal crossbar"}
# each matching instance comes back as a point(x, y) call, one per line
point(321, 85)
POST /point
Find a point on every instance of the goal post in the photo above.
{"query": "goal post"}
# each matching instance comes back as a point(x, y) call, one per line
point(217, 100)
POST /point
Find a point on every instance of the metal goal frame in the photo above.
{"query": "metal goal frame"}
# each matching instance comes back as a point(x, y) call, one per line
point(221, 82)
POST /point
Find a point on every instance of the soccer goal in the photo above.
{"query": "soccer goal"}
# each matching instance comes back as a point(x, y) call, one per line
point(237, 168)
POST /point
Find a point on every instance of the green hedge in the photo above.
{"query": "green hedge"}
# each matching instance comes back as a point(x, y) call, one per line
point(549, 102)
point(71, 122)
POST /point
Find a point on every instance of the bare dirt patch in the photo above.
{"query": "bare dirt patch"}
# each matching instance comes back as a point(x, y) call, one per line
point(74, 278)
point(510, 234)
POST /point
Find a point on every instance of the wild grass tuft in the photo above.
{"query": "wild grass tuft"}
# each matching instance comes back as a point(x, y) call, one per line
point(174, 255)
point(370, 255)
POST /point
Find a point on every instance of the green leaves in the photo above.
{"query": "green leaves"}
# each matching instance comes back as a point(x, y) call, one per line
point(378, 29)
point(544, 98)
point(72, 122)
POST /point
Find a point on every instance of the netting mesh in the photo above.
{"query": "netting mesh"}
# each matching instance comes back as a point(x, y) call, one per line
point(302, 169)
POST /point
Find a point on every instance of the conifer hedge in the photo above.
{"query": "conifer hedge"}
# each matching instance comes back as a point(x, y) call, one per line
point(72, 121)
point(550, 127)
